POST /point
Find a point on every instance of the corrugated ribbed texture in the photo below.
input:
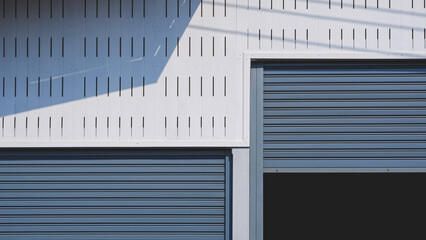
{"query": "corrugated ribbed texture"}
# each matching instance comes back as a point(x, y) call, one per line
point(112, 195)
point(366, 114)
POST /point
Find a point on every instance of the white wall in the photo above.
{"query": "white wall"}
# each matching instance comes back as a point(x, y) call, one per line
point(86, 115)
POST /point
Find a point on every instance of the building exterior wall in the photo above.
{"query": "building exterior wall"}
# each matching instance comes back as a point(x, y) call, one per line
point(54, 91)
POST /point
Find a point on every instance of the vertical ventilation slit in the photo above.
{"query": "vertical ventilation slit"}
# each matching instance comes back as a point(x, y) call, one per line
point(224, 46)
point(107, 86)
point(143, 86)
point(213, 126)
point(63, 47)
point(108, 46)
point(26, 126)
point(119, 86)
point(165, 126)
point(51, 46)
point(295, 38)
point(224, 125)
point(84, 126)
point(143, 126)
point(109, 8)
point(189, 43)
point(97, 46)
point(213, 47)
point(50, 126)
point(224, 86)
point(177, 86)
point(62, 127)
point(212, 86)
point(177, 46)
point(96, 87)
point(26, 88)
point(62, 86)
point(120, 48)
point(15, 86)
point(84, 85)
point(97, 8)
point(165, 47)
point(96, 126)
point(50, 80)
point(283, 40)
point(14, 126)
point(107, 123)
point(38, 126)
point(353, 38)
point(307, 38)
point(189, 86)
point(84, 46)
point(143, 47)
point(201, 126)
point(365, 37)
point(189, 126)
point(38, 86)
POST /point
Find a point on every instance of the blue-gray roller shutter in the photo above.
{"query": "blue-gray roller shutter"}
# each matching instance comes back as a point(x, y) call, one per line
point(114, 195)
point(344, 114)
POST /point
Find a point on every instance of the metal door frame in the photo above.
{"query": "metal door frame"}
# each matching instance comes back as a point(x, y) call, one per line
point(253, 67)
point(75, 152)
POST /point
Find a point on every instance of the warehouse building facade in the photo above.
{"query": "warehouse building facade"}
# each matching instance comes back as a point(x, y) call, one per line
point(180, 119)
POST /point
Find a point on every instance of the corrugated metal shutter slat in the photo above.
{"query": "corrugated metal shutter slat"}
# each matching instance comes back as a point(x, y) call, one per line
point(144, 195)
point(344, 113)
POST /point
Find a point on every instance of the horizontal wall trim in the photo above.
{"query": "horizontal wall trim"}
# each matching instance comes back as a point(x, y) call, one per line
point(121, 144)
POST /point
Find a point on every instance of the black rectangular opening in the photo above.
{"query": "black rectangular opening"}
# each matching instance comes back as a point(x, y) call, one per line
point(326, 204)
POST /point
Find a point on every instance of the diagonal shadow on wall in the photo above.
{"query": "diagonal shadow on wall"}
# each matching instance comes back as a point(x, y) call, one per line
point(60, 51)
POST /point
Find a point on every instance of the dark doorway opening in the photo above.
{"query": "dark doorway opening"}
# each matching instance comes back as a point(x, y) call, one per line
point(326, 204)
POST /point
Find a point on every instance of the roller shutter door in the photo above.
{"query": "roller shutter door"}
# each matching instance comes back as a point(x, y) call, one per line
point(120, 195)
point(344, 114)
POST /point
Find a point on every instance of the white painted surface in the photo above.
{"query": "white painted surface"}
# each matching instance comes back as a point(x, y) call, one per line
point(240, 193)
point(252, 28)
